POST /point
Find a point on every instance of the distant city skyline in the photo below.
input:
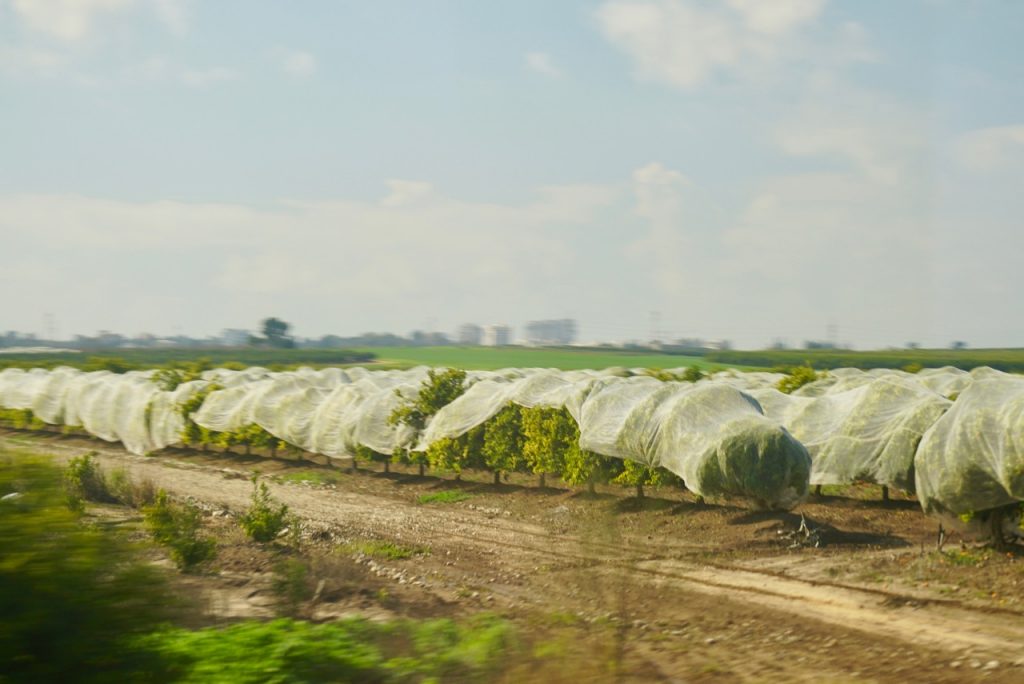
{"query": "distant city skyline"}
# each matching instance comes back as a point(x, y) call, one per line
point(795, 169)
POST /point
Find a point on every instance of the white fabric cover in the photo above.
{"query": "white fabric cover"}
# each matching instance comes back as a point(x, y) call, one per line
point(972, 459)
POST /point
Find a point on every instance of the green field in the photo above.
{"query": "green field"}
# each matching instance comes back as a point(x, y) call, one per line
point(1009, 360)
point(493, 358)
point(120, 360)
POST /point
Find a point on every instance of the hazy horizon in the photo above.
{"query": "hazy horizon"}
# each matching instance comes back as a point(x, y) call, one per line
point(749, 171)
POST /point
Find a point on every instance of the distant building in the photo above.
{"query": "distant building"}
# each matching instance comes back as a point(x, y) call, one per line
point(561, 331)
point(496, 336)
point(470, 334)
point(232, 337)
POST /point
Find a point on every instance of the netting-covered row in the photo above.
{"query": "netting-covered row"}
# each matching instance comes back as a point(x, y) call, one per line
point(732, 434)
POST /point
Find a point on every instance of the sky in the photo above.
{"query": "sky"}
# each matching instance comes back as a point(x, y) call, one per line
point(750, 170)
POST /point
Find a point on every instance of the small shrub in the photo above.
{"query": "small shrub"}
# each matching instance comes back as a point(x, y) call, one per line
point(797, 378)
point(84, 481)
point(177, 527)
point(694, 374)
point(266, 517)
point(75, 598)
point(128, 492)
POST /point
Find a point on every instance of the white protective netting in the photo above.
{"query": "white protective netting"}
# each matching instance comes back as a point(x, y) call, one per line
point(868, 432)
point(711, 435)
point(856, 425)
point(972, 459)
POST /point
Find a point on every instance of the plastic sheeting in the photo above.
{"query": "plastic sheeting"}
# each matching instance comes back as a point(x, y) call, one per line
point(972, 459)
point(731, 434)
point(867, 433)
point(711, 435)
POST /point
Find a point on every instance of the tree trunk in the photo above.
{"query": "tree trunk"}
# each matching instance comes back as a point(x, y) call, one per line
point(543, 480)
point(422, 469)
point(885, 493)
point(817, 490)
point(273, 450)
point(639, 490)
point(497, 477)
point(590, 488)
point(387, 466)
point(248, 449)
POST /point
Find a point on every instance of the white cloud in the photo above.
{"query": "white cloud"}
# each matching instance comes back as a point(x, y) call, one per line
point(542, 64)
point(173, 14)
point(776, 16)
point(299, 63)
point(869, 131)
point(19, 61)
point(990, 149)
point(684, 43)
point(404, 193)
point(203, 78)
point(68, 20)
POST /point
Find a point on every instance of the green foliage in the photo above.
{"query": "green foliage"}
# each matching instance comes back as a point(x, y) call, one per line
point(234, 359)
point(275, 334)
point(797, 378)
point(411, 457)
point(502, 448)
point(694, 374)
point(455, 454)
point(450, 496)
point(180, 372)
point(291, 584)
point(266, 517)
point(663, 375)
point(177, 526)
point(84, 481)
point(73, 599)
point(192, 433)
point(21, 419)
point(351, 650)
point(114, 364)
point(385, 550)
point(552, 445)
point(440, 388)
point(638, 475)
point(549, 435)
point(365, 453)
point(1009, 360)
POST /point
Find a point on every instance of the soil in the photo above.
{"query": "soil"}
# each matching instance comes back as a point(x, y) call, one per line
point(607, 586)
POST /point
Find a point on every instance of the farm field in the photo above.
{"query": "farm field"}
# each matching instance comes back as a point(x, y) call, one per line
point(1009, 360)
point(608, 587)
point(121, 360)
point(468, 358)
point(493, 358)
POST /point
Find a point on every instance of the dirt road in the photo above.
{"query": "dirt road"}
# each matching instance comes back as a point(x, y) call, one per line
point(688, 592)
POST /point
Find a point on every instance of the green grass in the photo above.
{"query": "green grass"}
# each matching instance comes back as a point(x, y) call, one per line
point(493, 358)
point(451, 496)
point(316, 477)
point(1010, 360)
point(120, 360)
point(350, 650)
point(386, 550)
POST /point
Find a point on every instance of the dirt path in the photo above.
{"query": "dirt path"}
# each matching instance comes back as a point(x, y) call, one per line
point(685, 608)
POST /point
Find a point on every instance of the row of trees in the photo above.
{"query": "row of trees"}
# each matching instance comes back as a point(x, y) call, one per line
point(542, 441)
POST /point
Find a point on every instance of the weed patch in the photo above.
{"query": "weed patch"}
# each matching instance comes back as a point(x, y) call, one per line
point(452, 496)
